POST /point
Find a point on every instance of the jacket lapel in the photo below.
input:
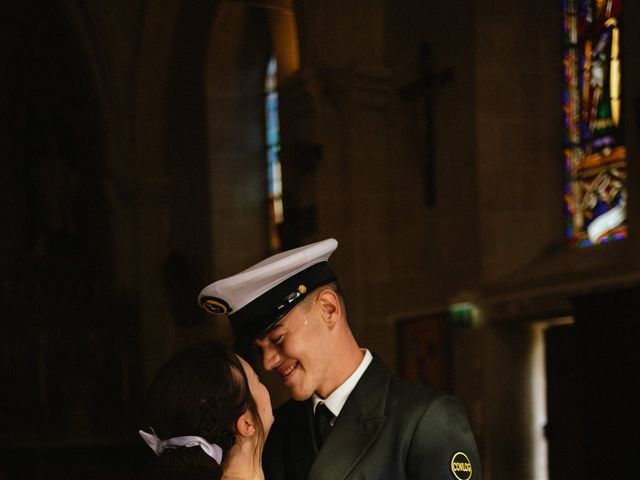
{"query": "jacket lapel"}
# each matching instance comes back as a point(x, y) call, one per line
point(357, 426)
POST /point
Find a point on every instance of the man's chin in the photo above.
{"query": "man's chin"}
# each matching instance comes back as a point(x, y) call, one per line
point(299, 395)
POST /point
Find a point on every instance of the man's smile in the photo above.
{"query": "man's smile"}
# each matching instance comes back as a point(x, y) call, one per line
point(285, 371)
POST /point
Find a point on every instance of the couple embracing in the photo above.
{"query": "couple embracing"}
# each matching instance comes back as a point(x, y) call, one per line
point(210, 417)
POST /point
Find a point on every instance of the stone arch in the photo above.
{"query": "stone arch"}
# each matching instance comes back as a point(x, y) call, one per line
point(241, 41)
point(215, 146)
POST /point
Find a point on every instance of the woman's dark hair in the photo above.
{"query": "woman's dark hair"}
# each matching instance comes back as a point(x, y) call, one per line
point(200, 391)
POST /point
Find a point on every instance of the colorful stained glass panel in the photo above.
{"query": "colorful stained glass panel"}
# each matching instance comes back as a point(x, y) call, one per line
point(594, 152)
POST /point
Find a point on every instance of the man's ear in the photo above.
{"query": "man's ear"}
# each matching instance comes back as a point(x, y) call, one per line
point(329, 305)
point(245, 425)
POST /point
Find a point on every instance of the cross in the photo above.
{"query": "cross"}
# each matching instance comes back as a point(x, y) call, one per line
point(427, 86)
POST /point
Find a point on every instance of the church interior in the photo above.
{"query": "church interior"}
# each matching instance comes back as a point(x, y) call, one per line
point(477, 162)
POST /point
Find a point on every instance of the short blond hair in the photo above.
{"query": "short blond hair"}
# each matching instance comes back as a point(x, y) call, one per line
point(334, 287)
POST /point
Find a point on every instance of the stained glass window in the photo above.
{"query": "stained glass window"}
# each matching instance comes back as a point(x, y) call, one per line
point(594, 153)
point(272, 142)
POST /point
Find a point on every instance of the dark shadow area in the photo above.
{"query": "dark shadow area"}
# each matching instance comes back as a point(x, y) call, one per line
point(70, 367)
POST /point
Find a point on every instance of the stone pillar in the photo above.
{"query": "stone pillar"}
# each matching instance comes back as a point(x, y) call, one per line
point(337, 181)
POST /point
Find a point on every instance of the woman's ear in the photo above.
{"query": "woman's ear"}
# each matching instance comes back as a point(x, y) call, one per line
point(245, 425)
point(329, 305)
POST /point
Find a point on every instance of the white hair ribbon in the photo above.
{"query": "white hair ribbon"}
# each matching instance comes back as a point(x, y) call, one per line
point(158, 445)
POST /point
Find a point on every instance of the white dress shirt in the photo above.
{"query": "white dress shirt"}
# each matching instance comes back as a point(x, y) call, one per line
point(338, 397)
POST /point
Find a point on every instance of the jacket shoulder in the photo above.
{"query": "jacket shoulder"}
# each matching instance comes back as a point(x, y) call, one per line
point(400, 390)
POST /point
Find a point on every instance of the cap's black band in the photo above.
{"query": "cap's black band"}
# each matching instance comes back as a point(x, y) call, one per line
point(257, 317)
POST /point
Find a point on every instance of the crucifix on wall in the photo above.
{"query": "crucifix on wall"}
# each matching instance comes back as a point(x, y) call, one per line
point(426, 87)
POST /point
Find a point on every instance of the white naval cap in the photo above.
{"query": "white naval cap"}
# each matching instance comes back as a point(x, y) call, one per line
point(258, 297)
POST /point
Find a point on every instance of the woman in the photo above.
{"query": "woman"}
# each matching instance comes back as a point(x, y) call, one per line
point(208, 416)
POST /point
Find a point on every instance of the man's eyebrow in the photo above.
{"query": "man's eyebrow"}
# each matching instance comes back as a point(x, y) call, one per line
point(266, 335)
point(276, 328)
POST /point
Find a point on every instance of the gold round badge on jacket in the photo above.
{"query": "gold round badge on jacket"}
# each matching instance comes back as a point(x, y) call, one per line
point(461, 466)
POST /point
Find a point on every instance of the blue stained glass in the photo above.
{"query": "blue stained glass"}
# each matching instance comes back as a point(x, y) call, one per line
point(273, 125)
point(272, 144)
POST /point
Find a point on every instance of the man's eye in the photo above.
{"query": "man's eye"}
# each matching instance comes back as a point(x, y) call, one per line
point(277, 340)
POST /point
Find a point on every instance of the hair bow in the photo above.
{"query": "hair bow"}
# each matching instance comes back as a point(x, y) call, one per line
point(158, 445)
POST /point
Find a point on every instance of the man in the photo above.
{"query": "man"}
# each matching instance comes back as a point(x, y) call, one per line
point(378, 426)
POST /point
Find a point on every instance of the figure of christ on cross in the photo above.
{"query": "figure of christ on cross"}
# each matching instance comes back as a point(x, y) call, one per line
point(426, 87)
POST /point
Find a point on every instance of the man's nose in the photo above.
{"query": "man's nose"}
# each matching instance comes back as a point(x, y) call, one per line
point(270, 357)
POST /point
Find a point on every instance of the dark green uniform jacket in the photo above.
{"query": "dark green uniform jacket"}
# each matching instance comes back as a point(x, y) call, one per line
point(388, 429)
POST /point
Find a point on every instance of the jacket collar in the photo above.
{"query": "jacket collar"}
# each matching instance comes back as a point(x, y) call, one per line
point(356, 427)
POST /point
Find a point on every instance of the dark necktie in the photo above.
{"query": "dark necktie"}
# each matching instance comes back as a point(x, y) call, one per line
point(322, 422)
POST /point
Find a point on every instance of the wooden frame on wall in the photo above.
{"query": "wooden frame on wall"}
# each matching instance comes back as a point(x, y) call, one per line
point(424, 349)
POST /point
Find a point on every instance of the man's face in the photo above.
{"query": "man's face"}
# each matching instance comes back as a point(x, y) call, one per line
point(296, 349)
